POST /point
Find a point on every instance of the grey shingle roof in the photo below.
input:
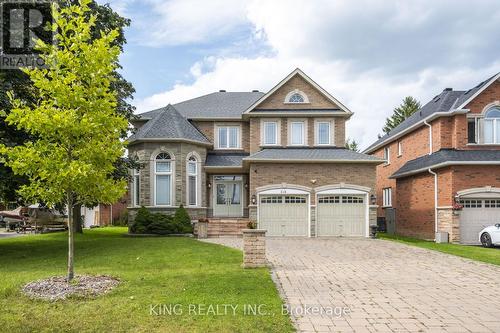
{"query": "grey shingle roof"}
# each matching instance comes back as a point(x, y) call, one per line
point(297, 110)
point(168, 123)
point(446, 101)
point(311, 154)
point(225, 159)
point(214, 105)
point(447, 157)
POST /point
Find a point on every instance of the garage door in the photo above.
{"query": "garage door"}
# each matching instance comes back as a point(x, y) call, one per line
point(341, 215)
point(284, 215)
point(476, 215)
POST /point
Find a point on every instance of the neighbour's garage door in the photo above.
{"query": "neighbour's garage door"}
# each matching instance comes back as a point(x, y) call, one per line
point(341, 215)
point(284, 215)
point(475, 216)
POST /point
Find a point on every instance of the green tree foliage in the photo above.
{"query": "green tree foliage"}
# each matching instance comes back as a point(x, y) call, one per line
point(352, 145)
point(74, 123)
point(19, 82)
point(408, 107)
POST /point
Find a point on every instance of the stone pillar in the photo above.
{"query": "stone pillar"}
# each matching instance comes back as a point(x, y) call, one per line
point(449, 221)
point(254, 248)
point(202, 227)
point(372, 214)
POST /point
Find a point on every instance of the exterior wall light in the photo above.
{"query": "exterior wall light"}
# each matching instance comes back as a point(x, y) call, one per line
point(254, 200)
point(373, 199)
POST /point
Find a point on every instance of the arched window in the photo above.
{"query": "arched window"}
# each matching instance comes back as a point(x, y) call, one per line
point(492, 125)
point(296, 98)
point(136, 187)
point(192, 181)
point(163, 180)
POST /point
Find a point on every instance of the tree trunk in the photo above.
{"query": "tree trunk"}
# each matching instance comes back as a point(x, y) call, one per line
point(77, 218)
point(71, 248)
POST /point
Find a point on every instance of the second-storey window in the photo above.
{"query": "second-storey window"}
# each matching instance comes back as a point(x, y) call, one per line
point(297, 133)
point(270, 133)
point(387, 155)
point(387, 197)
point(323, 133)
point(472, 130)
point(492, 126)
point(228, 137)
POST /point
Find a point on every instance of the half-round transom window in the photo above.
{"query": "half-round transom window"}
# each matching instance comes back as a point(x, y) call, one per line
point(163, 156)
point(494, 112)
point(296, 98)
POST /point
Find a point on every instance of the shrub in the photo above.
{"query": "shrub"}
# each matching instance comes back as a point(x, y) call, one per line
point(182, 220)
point(148, 223)
point(142, 221)
point(252, 225)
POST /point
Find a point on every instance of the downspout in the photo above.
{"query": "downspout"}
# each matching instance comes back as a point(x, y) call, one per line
point(435, 201)
point(430, 136)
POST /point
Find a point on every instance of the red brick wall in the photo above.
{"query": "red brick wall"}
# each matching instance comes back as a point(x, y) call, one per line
point(489, 95)
point(470, 176)
point(415, 212)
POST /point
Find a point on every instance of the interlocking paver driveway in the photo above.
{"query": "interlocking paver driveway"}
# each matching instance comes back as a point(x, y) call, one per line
point(387, 286)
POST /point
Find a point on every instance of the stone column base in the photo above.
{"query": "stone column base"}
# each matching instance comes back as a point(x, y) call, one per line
point(449, 221)
point(254, 248)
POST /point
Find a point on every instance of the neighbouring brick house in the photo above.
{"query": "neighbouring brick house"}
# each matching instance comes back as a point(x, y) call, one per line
point(446, 154)
point(277, 158)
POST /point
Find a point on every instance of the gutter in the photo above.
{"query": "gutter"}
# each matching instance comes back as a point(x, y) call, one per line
point(414, 126)
point(264, 160)
point(131, 142)
point(430, 135)
point(445, 164)
point(435, 201)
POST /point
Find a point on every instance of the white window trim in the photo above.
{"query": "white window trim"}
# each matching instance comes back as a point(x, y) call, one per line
point(387, 197)
point(495, 125)
point(304, 132)
point(198, 177)
point(263, 132)
point(387, 156)
point(172, 178)
point(400, 149)
point(293, 92)
point(216, 136)
point(136, 181)
point(332, 132)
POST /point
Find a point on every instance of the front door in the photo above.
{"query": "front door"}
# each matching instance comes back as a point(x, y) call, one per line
point(228, 196)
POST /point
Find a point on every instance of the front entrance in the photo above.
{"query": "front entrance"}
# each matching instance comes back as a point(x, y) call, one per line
point(228, 196)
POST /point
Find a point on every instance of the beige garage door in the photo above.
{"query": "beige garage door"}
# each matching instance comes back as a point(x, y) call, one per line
point(284, 215)
point(341, 215)
point(475, 216)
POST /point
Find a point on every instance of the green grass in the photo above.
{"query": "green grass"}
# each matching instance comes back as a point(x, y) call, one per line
point(489, 255)
point(162, 270)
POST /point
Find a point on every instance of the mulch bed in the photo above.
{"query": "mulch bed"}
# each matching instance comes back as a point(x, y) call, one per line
point(57, 288)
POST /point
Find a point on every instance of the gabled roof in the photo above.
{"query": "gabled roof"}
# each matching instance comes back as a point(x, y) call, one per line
point(167, 124)
point(446, 157)
point(447, 103)
point(311, 155)
point(223, 105)
point(298, 71)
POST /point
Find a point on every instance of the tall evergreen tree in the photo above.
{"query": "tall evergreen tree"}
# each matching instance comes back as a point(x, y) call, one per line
point(352, 145)
point(408, 107)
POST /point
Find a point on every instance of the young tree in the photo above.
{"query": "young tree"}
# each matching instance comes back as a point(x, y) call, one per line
point(74, 122)
point(408, 107)
point(20, 83)
point(352, 145)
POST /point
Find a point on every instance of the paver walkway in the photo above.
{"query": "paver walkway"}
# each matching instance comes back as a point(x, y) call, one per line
point(386, 286)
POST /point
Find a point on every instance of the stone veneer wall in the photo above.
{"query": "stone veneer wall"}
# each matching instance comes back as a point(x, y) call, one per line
point(254, 248)
point(449, 222)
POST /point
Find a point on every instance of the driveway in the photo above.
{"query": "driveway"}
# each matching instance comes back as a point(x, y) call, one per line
point(365, 285)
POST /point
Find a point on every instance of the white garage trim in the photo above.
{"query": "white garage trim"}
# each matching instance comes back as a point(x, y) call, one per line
point(480, 192)
point(345, 189)
point(284, 189)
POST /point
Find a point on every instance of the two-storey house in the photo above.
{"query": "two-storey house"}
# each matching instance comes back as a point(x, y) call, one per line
point(443, 157)
point(277, 158)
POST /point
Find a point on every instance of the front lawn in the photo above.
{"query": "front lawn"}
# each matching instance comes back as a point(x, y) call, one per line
point(162, 270)
point(489, 255)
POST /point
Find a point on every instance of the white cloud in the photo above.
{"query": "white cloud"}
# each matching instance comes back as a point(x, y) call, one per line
point(368, 54)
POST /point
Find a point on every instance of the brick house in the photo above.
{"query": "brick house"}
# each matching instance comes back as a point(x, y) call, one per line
point(277, 158)
point(446, 154)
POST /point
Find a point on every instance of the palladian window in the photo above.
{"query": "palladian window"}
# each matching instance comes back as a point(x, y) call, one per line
point(163, 179)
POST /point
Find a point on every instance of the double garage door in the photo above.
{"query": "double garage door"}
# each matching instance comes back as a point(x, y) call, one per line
point(475, 216)
point(336, 215)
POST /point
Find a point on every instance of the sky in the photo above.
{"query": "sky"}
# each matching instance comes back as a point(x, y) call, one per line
point(369, 54)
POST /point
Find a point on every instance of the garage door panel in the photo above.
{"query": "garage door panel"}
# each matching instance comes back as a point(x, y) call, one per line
point(284, 215)
point(475, 216)
point(341, 215)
